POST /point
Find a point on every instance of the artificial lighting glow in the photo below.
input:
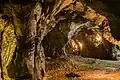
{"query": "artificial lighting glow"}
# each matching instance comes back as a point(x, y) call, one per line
point(98, 37)
point(81, 45)
point(74, 45)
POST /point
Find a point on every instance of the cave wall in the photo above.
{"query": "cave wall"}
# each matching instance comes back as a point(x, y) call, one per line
point(55, 42)
point(92, 46)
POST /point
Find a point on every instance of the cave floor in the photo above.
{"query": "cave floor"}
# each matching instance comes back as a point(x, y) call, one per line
point(79, 68)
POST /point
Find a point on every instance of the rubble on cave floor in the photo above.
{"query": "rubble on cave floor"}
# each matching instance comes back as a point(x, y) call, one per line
point(79, 68)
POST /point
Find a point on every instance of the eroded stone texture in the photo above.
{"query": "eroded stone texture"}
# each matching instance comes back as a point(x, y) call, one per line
point(7, 48)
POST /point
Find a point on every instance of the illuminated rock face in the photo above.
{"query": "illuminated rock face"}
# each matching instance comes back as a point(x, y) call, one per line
point(93, 45)
point(8, 45)
point(88, 42)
